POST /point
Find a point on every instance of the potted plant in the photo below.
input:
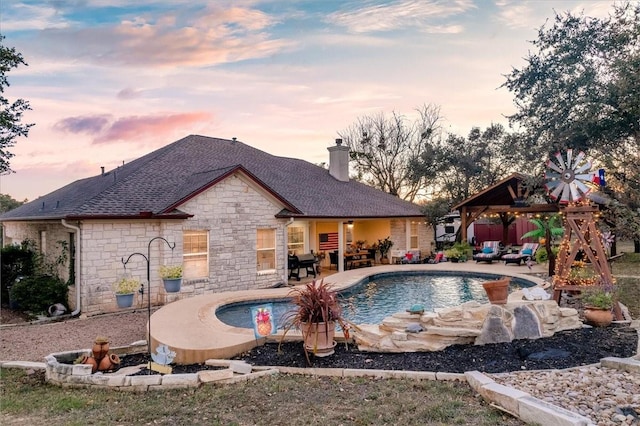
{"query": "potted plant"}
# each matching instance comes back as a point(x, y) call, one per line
point(458, 252)
point(383, 247)
point(597, 303)
point(125, 288)
point(171, 277)
point(316, 313)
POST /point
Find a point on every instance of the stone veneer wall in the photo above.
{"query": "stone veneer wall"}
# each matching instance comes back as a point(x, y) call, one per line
point(399, 236)
point(231, 212)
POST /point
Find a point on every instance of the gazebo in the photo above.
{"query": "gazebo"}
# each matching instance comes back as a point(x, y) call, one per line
point(505, 199)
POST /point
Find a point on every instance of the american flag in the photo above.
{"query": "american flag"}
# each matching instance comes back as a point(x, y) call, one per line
point(329, 241)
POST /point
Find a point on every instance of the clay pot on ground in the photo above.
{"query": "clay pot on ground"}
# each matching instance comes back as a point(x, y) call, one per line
point(100, 348)
point(498, 290)
point(109, 363)
point(92, 362)
point(598, 317)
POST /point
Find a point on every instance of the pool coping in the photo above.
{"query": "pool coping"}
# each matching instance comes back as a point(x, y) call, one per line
point(191, 328)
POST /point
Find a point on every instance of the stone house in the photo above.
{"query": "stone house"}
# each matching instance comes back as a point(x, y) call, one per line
point(234, 213)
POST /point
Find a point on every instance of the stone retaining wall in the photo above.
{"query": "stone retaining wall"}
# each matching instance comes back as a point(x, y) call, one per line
point(60, 370)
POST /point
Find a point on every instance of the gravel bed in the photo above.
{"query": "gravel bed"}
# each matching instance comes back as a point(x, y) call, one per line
point(606, 396)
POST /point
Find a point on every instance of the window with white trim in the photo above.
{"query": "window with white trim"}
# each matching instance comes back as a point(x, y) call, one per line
point(295, 243)
point(43, 242)
point(266, 249)
point(413, 231)
point(195, 262)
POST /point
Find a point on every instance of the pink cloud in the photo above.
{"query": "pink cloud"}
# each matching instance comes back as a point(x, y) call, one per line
point(104, 128)
point(136, 127)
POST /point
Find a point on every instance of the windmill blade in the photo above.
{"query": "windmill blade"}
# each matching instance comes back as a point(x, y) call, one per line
point(552, 184)
point(582, 187)
point(575, 194)
point(586, 177)
point(553, 166)
point(561, 161)
point(556, 192)
point(569, 155)
point(566, 194)
point(552, 175)
point(584, 167)
point(579, 158)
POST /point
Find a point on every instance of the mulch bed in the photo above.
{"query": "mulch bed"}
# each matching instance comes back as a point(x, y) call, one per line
point(562, 350)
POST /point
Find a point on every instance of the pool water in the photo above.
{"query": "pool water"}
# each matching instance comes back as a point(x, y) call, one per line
point(383, 295)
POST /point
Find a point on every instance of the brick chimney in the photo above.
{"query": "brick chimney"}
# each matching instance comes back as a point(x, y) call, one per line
point(339, 161)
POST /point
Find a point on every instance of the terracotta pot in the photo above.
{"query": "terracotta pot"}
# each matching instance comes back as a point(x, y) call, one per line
point(598, 317)
point(109, 363)
point(318, 338)
point(100, 350)
point(497, 291)
point(92, 362)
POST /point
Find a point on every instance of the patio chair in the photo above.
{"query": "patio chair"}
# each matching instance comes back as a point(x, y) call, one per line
point(527, 252)
point(333, 259)
point(490, 252)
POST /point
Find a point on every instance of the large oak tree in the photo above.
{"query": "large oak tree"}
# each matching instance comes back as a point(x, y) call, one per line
point(580, 89)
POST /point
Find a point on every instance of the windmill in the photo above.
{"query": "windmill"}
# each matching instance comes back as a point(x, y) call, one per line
point(569, 181)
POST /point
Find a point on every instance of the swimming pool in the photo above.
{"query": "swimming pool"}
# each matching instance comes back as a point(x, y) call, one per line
point(381, 295)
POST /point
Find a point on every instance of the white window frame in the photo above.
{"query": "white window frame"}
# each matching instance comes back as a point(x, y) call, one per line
point(299, 247)
point(186, 256)
point(414, 240)
point(262, 250)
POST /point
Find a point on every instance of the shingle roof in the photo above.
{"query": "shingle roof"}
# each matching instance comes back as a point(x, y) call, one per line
point(160, 180)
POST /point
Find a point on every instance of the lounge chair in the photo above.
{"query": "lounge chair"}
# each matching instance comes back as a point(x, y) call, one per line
point(490, 252)
point(527, 252)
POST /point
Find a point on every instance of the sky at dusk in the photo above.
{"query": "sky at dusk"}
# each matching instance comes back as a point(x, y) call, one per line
point(112, 80)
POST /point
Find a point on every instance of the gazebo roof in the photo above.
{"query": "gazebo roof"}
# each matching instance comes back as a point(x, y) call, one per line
point(505, 198)
point(502, 197)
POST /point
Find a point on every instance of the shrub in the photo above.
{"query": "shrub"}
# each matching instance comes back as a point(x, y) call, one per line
point(35, 294)
point(541, 254)
point(15, 261)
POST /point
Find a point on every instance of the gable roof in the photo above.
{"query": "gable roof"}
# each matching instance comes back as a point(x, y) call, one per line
point(156, 184)
point(496, 194)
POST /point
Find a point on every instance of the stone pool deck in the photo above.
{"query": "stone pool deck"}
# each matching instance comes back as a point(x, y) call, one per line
point(191, 329)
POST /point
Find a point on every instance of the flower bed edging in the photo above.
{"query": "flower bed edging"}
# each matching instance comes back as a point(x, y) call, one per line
point(60, 370)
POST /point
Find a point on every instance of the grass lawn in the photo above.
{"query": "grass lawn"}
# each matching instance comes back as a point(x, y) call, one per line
point(272, 400)
point(627, 274)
